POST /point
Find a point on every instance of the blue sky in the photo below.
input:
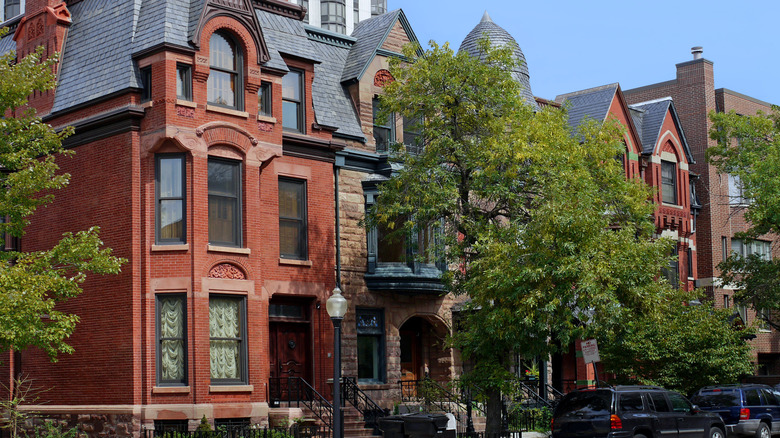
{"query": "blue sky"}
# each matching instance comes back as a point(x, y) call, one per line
point(571, 45)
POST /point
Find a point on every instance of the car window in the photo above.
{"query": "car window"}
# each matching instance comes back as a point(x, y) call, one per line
point(659, 402)
point(631, 402)
point(717, 398)
point(769, 397)
point(751, 397)
point(679, 403)
point(597, 402)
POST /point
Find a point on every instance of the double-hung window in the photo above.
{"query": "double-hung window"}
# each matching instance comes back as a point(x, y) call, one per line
point(384, 132)
point(184, 81)
point(745, 248)
point(11, 9)
point(737, 191)
point(169, 194)
point(225, 76)
point(227, 338)
point(293, 101)
point(171, 339)
point(668, 182)
point(224, 179)
point(292, 219)
point(265, 99)
point(370, 342)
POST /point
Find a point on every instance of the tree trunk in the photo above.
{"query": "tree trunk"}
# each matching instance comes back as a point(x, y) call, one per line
point(494, 410)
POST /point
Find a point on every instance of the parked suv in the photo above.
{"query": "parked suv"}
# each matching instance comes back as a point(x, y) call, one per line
point(632, 412)
point(749, 409)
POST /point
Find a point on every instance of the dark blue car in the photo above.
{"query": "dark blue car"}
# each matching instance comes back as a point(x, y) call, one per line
point(747, 410)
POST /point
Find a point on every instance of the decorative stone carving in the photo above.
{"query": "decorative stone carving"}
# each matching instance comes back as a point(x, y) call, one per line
point(382, 78)
point(185, 111)
point(265, 126)
point(227, 271)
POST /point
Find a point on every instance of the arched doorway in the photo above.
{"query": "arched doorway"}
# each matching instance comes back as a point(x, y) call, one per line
point(423, 354)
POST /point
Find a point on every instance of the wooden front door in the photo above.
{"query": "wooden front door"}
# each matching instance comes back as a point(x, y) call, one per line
point(290, 350)
point(410, 362)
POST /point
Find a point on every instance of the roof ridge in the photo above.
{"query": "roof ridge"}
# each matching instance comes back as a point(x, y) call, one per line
point(648, 102)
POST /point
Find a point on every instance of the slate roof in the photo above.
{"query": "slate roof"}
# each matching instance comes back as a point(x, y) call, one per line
point(498, 38)
point(332, 103)
point(286, 35)
point(162, 21)
point(7, 44)
point(592, 103)
point(370, 35)
point(650, 116)
point(96, 60)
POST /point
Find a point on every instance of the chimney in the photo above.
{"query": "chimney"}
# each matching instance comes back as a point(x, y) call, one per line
point(697, 51)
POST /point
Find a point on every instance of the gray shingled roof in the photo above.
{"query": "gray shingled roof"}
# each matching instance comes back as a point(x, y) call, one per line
point(592, 103)
point(286, 35)
point(96, 60)
point(162, 21)
point(650, 116)
point(332, 104)
point(498, 38)
point(7, 44)
point(370, 35)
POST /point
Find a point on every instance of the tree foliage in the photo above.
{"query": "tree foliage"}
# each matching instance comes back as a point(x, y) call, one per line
point(33, 283)
point(680, 347)
point(749, 148)
point(542, 230)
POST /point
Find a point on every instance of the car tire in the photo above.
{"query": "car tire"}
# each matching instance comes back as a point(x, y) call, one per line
point(763, 431)
point(716, 432)
point(639, 435)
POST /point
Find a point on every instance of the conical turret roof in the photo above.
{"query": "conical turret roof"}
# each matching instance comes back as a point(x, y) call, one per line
point(499, 37)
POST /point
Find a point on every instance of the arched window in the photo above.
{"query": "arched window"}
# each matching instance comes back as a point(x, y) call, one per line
point(225, 79)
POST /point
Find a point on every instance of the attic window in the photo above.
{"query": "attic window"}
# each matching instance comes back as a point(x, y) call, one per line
point(225, 78)
point(146, 84)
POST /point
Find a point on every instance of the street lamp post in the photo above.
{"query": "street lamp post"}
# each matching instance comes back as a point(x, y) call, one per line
point(337, 308)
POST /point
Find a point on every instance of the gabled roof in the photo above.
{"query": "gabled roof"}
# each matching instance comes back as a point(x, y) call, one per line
point(96, 61)
point(371, 35)
point(650, 116)
point(593, 103)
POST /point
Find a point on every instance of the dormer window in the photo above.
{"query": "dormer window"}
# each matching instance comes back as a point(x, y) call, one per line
point(11, 9)
point(293, 101)
point(225, 78)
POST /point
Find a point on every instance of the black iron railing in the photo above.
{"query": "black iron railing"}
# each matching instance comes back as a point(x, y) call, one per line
point(297, 391)
point(245, 432)
point(363, 403)
point(435, 397)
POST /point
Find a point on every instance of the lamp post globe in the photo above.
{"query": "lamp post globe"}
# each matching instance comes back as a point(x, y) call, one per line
point(337, 307)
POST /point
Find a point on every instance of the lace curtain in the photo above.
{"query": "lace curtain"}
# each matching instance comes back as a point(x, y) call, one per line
point(225, 334)
point(172, 338)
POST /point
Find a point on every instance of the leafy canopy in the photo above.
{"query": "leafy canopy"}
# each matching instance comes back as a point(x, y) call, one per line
point(748, 147)
point(33, 283)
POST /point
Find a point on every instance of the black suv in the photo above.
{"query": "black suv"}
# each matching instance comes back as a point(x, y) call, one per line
point(632, 412)
point(749, 409)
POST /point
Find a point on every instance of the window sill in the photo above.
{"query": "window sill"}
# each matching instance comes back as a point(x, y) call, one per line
point(219, 109)
point(267, 119)
point(171, 390)
point(231, 388)
point(179, 247)
point(294, 262)
point(666, 204)
point(229, 249)
point(188, 103)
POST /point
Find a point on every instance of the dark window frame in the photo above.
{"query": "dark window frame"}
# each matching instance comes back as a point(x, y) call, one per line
point(238, 213)
point(186, 81)
point(243, 342)
point(300, 112)
point(379, 334)
point(158, 199)
point(669, 182)
point(238, 92)
point(159, 339)
point(146, 83)
point(265, 99)
point(388, 126)
point(12, 5)
point(302, 221)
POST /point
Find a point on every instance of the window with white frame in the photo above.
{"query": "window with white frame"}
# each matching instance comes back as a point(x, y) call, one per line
point(12, 9)
point(745, 248)
point(737, 191)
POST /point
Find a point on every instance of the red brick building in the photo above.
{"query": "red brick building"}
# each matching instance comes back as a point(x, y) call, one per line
point(695, 96)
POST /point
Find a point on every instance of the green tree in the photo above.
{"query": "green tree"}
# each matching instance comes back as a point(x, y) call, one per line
point(680, 347)
point(542, 230)
point(749, 149)
point(33, 283)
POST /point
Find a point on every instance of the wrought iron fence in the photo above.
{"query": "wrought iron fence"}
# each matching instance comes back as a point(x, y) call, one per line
point(297, 391)
point(308, 431)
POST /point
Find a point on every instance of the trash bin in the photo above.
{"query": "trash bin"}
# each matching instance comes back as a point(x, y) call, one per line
point(392, 426)
point(424, 425)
